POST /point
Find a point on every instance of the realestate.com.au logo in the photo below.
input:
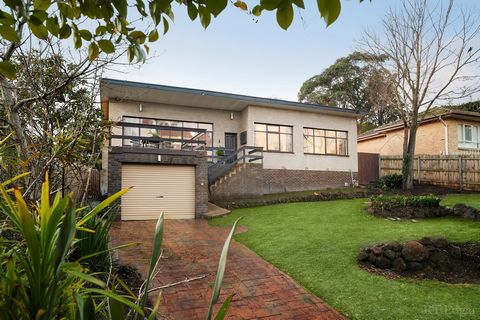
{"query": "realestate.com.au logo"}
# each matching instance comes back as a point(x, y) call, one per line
point(450, 310)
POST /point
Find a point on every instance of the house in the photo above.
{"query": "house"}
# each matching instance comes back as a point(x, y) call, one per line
point(442, 131)
point(180, 147)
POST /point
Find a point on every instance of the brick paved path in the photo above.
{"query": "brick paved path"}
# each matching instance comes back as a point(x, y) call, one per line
point(192, 248)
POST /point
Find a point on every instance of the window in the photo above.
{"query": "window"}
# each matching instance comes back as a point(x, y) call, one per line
point(183, 136)
point(468, 136)
point(273, 137)
point(322, 141)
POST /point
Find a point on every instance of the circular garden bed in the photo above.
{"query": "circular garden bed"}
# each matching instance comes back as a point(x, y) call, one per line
point(417, 207)
point(428, 258)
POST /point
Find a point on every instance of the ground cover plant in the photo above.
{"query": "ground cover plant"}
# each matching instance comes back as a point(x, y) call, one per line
point(317, 243)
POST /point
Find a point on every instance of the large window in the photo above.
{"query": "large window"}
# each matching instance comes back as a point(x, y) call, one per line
point(468, 136)
point(183, 136)
point(322, 141)
point(273, 137)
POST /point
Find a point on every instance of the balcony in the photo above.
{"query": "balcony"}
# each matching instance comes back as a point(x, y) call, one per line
point(140, 135)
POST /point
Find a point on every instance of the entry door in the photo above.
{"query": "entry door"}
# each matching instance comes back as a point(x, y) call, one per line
point(230, 144)
point(158, 188)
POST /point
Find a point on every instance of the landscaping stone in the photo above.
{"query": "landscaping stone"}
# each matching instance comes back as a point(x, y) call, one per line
point(390, 254)
point(399, 264)
point(415, 266)
point(433, 258)
point(414, 251)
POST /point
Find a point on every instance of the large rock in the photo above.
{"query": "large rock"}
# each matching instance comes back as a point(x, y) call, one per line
point(399, 264)
point(440, 242)
point(414, 251)
point(390, 254)
point(382, 262)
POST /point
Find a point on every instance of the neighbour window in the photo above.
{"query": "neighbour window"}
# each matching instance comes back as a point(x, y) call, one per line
point(274, 137)
point(322, 141)
point(468, 136)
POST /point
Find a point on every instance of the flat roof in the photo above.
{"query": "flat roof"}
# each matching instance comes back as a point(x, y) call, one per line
point(156, 93)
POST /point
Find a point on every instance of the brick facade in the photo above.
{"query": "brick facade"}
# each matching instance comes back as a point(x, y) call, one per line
point(119, 155)
point(251, 180)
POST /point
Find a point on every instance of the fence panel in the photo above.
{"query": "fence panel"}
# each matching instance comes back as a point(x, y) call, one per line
point(368, 164)
point(454, 171)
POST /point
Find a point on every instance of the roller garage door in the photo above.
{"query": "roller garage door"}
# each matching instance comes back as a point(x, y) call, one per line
point(158, 188)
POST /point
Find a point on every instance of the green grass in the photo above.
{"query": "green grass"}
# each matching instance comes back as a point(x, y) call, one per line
point(472, 200)
point(317, 244)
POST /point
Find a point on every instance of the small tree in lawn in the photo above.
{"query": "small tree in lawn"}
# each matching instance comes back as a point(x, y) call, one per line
point(432, 51)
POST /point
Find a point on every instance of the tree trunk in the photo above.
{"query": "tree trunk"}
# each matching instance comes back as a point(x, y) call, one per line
point(410, 137)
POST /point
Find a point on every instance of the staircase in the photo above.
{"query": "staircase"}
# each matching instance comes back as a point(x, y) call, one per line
point(233, 163)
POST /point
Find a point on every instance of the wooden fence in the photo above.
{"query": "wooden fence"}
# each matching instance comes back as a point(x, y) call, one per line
point(453, 171)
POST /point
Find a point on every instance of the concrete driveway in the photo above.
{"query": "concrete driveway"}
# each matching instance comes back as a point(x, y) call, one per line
point(191, 249)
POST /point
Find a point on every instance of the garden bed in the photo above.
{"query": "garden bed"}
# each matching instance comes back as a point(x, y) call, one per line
point(417, 207)
point(428, 258)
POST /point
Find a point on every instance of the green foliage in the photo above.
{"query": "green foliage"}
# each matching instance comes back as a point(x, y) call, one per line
point(390, 181)
point(100, 24)
point(358, 81)
point(37, 279)
point(473, 106)
point(53, 268)
point(399, 201)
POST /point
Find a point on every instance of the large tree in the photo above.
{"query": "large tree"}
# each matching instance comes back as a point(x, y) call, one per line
point(86, 36)
point(432, 51)
point(358, 81)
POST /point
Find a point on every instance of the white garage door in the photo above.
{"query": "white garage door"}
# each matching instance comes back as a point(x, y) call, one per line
point(156, 189)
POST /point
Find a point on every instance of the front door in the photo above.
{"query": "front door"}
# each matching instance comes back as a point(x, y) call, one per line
point(230, 145)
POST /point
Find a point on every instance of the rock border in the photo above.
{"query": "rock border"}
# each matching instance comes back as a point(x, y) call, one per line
point(433, 258)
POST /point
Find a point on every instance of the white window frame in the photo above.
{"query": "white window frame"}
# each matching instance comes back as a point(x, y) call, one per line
point(474, 143)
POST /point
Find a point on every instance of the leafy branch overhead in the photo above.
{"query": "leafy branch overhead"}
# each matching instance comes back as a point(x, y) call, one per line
point(100, 25)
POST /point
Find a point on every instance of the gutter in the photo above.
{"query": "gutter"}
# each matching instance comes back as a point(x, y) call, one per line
point(445, 133)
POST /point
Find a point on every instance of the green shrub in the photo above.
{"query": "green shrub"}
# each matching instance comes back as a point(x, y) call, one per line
point(40, 278)
point(398, 201)
point(389, 182)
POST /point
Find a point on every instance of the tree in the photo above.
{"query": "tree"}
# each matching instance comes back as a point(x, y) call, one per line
point(473, 106)
point(431, 53)
point(101, 32)
point(357, 81)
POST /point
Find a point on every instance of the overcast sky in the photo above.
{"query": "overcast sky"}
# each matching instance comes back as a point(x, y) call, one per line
point(238, 55)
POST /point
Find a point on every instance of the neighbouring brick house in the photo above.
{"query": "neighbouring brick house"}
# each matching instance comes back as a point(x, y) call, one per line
point(442, 132)
point(180, 147)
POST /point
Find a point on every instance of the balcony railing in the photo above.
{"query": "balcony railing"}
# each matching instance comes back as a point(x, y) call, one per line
point(159, 137)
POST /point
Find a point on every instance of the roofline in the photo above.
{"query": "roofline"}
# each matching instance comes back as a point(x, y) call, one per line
point(456, 114)
point(235, 96)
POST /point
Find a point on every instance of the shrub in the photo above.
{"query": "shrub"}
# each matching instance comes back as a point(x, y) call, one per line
point(389, 182)
point(398, 201)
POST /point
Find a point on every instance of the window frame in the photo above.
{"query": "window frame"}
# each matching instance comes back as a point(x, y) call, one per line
point(176, 120)
point(323, 136)
point(474, 143)
point(279, 133)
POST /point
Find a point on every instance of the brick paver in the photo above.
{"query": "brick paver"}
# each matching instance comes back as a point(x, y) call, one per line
point(191, 248)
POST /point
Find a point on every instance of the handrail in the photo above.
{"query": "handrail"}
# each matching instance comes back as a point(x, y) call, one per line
point(241, 155)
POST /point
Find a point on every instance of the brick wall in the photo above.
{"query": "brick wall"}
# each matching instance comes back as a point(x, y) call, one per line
point(282, 180)
point(119, 155)
point(251, 180)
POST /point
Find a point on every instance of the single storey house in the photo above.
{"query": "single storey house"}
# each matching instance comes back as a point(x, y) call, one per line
point(180, 147)
point(442, 131)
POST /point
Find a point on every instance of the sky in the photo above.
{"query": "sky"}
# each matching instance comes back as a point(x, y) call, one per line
point(237, 54)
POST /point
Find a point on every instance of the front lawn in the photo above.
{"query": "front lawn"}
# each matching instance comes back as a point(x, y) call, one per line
point(317, 244)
